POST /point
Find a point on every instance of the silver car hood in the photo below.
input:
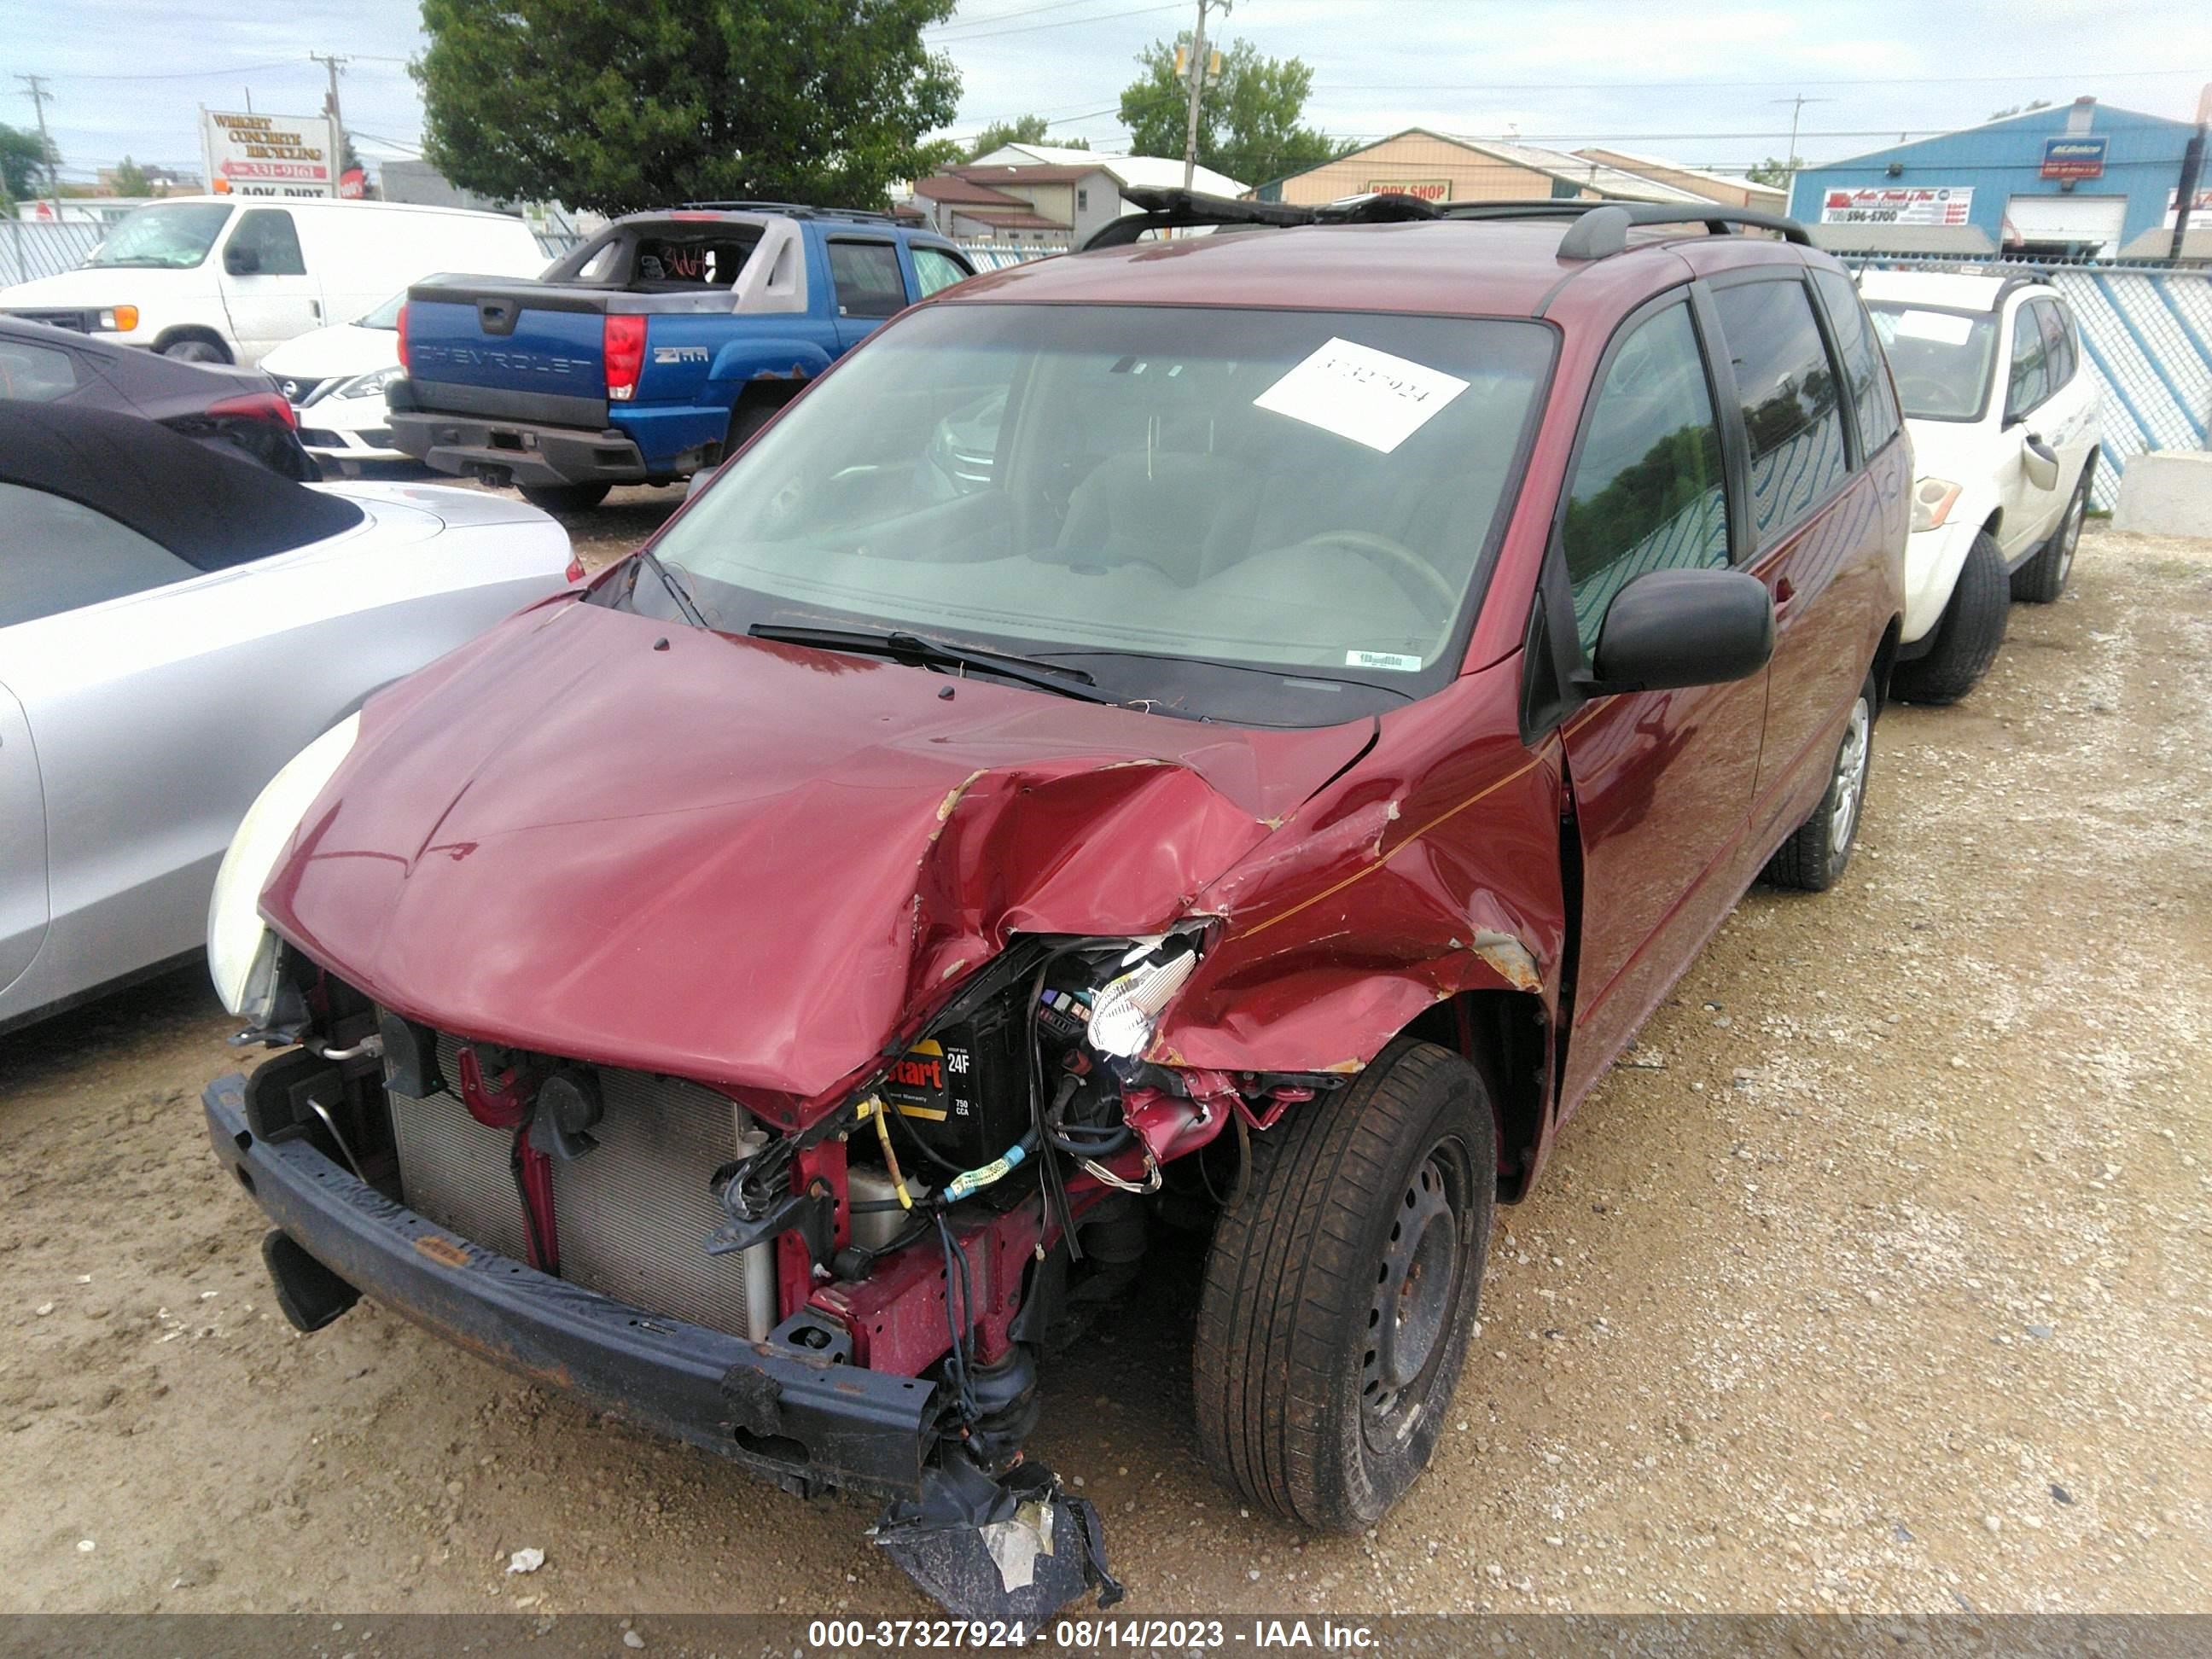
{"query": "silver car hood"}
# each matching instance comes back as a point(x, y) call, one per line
point(444, 505)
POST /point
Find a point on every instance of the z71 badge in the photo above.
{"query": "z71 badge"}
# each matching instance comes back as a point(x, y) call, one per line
point(679, 354)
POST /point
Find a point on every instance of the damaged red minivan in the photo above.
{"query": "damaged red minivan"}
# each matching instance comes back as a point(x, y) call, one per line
point(1256, 720)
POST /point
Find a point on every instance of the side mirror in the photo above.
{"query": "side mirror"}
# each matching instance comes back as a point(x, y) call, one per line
point(2039, 461)
point(1677, 627)
point(241, 261)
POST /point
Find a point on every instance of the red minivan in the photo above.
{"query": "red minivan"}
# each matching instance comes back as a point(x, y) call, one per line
point(1244, 726)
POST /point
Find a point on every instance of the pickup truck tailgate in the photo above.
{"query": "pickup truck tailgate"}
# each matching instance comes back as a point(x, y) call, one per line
point(515, 351)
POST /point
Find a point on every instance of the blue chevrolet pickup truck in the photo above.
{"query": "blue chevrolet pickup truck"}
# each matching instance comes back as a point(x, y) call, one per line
point(651, 350)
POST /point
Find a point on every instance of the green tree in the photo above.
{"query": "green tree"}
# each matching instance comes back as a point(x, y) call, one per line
point(1774, 172)
point(22, 159)
point(1248, 122)
point(619, 105)
point(130, 179)
point(1022, 130)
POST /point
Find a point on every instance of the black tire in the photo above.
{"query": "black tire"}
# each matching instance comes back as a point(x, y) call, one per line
point(2043, 578)
point(1968, 635)
point(191, 349)
point(565, 497)
point(1304, 1404)
point(1813, 859)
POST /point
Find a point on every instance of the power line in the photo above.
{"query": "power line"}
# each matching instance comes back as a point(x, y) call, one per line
point(1792, 81)
point(1064, 23)
point(186, 74)
point(1000, 16)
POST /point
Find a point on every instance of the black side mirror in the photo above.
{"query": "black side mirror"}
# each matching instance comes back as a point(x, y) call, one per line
point(241, 261)
point(1677, 627)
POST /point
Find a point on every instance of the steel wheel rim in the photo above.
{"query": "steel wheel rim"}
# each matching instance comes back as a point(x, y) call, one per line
point(1850, 775)
point(1417, 1281)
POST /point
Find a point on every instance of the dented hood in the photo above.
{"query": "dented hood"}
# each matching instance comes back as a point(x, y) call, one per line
point(590, 835)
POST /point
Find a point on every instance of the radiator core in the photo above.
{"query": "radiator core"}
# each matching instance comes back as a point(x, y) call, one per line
point(632, 1216)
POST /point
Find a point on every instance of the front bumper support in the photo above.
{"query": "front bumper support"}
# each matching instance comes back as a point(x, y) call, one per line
point(806, 1424)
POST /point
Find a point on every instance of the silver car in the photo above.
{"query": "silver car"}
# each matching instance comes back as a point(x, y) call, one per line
point(175, 626)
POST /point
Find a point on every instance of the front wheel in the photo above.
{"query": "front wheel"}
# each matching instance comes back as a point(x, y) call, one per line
point(192, 349)
point(1342, 1288)
point(565, 497)
point(1967, 635)
point(1814, 857)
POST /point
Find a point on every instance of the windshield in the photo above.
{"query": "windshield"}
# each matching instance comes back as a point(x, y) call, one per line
point(1941, 358)
point(386, 316)
point(1267, 516)
point(175, 236)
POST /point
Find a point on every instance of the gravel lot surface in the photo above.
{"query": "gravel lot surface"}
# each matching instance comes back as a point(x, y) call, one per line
point(1879, 1277)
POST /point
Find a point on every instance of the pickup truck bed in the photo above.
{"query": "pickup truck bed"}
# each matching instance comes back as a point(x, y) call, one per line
point(652, 350)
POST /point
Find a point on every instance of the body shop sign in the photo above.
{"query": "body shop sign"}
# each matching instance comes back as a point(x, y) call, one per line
point(268, 155)
point(1421, 190)
point(1934, 205)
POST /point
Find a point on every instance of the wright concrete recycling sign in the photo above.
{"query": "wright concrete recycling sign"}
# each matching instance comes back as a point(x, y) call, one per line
point(250, 155)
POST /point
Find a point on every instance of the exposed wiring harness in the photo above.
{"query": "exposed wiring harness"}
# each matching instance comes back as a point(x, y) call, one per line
point(961, 1322)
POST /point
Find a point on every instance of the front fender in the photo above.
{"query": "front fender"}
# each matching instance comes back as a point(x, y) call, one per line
point(1932, 561)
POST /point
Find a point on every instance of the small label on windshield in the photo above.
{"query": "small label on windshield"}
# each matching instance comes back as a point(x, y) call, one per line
point(1941, 326)
point(1396, 664)
point(1363, 394)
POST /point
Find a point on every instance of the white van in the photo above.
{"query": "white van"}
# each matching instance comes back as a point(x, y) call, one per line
point(227, 279)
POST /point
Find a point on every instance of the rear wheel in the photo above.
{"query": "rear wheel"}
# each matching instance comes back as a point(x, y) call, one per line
point(565, 497)
point(1340, 1288)
point(2043, 578)
point(1968, 634)
point(1814, 857)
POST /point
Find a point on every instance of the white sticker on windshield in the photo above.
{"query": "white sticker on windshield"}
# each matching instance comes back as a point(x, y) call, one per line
point(1383, 660)
point(1944, 327)
point(1363, 394)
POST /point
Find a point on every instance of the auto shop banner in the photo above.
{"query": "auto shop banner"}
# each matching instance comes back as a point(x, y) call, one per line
point(1934, 205)
point(250, 155)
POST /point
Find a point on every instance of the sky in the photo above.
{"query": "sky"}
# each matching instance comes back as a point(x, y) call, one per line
point(1702, 84)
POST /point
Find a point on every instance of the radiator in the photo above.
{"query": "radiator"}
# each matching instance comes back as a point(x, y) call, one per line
point(632, 1216)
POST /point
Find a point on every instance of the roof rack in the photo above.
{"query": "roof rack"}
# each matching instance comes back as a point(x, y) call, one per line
point(1166, 210)
point(790, 209)
point(1601, 229)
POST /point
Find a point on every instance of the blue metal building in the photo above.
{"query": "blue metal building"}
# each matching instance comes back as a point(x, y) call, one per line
point(2080, 180)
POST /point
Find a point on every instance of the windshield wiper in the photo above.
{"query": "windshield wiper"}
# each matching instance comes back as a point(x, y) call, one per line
point(677, 591)
point(917, 651)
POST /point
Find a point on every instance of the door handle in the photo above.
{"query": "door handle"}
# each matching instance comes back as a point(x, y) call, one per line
point(315, 309)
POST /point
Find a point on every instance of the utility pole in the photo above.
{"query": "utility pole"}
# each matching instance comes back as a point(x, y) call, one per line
point(1197, 91)
point(333, 62)
point(1790, 162)
point(35, 86)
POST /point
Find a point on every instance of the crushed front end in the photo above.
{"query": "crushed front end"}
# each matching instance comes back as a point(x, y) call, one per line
point(851, 1293)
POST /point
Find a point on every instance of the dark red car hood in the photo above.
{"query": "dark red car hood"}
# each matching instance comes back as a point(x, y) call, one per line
point(590, 835)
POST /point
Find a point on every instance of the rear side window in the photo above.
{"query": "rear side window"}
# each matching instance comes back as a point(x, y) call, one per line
point(266, 233)
point(2027, 384)
point(1872, 397)
point(57, 554)
point(1648, 492)
point(1788, 389)
point(34, 374)
point(933, 269)
point(2057, 343)
point(867, 278)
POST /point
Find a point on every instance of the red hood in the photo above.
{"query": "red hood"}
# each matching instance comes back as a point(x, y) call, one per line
point(741, 862)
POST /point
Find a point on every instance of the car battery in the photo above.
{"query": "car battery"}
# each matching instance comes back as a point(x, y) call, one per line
point(963, 1090)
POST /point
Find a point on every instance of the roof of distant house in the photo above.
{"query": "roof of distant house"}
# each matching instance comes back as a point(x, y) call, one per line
point(1751, 185)
point(955, 191)
point(1009, 218)
point(1028, 174)
point(1133, 171)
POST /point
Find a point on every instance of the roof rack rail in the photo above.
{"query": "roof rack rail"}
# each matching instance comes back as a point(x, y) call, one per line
point(1165, 210)
point(793, 209)
point(1601, 229)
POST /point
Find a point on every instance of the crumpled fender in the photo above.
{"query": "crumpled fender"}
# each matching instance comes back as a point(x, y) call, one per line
point(773, 356)
point(1430, 869)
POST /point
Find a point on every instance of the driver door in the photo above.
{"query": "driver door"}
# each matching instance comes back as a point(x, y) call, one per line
point(1662, 780)
point(2028, 507)
point(265, 285)
point(22, 843)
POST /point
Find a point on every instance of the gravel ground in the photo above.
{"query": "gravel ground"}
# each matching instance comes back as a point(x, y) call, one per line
point(1875, 1278)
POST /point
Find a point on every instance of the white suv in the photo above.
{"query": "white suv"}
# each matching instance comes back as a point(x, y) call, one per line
point(2003, 413)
